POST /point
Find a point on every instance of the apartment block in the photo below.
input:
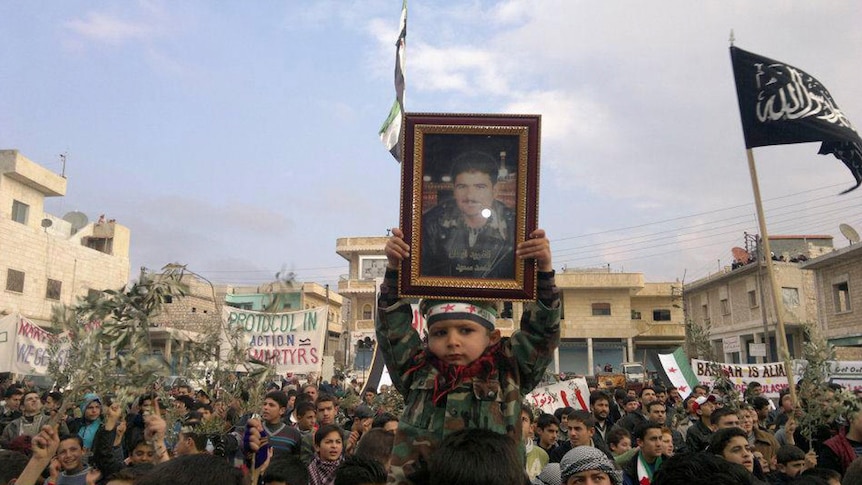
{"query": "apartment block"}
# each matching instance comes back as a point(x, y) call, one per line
point(838, 289)
point(45, 259)
point(609, 318)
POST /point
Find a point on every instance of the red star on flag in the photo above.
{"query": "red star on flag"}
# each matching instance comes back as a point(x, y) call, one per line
point(471, 309)
point(644, 481)
point(448, 308)
point(671, 369)
point(682, 388)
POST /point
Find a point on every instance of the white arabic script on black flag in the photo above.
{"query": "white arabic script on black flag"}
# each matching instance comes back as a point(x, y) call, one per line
point(781, 104)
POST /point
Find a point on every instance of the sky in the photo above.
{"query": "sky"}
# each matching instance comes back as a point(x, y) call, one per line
point(240, 138)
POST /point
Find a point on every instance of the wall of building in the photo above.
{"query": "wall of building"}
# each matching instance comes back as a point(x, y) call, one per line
point(54, 254)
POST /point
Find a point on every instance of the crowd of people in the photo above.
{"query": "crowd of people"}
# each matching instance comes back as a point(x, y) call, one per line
point(464, 420)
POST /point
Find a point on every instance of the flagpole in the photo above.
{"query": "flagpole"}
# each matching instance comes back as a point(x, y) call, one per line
point(781, 335)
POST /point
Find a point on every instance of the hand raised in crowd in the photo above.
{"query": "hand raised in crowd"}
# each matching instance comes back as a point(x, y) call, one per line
point(790, 431)
point(810, 459)
point(93, 476)
point(112, 416)
point(396, 249)
point(154, 427)
point(254, 428)
point(537, 247)
point(44, 445)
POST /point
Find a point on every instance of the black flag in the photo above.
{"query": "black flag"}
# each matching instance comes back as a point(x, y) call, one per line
point(781, 104)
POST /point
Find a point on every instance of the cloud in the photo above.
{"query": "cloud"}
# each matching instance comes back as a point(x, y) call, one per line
point(108, 29)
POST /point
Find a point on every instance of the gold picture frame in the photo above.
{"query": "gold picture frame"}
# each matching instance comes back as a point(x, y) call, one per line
point(469, 195)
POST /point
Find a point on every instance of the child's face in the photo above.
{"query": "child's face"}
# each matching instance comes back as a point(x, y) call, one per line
point(330, 447)
point(307, 420)
point(792, 468)
point(460, 342)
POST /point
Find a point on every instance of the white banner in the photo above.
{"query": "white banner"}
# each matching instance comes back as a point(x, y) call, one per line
point(291, 341)
point(771, 376)
point(24, 346)
point(571, 393)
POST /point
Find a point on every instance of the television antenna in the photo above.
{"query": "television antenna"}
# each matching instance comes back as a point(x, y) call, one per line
point(849, 233)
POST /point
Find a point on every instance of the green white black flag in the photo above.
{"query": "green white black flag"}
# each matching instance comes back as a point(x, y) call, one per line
point(392, 129)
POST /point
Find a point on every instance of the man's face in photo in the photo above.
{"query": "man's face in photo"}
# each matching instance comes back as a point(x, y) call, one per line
point(474, 192)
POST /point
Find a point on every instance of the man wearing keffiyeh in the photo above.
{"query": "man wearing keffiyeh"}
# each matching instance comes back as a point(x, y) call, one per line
point(467, 376)
point(585, 464)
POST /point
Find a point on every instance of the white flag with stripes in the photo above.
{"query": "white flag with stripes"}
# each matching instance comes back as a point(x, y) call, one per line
point(390, 132)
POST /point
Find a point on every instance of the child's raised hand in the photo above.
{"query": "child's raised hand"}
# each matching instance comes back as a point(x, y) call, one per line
point(396, 249)
point(537, 247)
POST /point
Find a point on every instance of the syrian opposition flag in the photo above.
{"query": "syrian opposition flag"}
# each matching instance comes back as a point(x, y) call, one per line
point(781, 104)
point(677, 370)
point(393, 128)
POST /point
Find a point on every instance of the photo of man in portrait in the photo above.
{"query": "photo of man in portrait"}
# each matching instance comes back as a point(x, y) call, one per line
point(472, 233)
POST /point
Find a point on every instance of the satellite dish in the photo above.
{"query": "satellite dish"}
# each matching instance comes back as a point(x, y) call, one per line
point(740, 255)
point(76, 219)
point(46, 223)
point(849, 233)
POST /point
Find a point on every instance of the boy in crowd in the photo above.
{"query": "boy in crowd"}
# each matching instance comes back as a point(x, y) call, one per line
point(467, 376)
point(548, 426)
point(284, 439)
point(581, 433)
point(537, 458)
point(791, 463)
point(587, 465)
point(641, 468)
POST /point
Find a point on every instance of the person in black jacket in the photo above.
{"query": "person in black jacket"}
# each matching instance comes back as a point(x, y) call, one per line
point(698, 435)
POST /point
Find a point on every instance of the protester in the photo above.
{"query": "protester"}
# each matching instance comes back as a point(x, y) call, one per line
point(30, 422)
point(547, 426)
point(329, 448)
point(476, 456)
point(698, 435)
point(467, 376)
point(641, 468)
point(200, 469)
point(691, 468)
point(587, 465)
point(90, 420)
point(536, 457)
point(359, 470)
point(376, 444)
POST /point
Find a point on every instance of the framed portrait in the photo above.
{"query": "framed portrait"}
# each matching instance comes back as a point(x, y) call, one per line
point(469, 195)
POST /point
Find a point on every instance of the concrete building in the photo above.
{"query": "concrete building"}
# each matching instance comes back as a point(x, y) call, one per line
point(838, 290)
point(610, 318)
point(46, 260)
point(736, 303)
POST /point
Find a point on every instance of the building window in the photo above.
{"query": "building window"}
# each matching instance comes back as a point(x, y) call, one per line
point(661, 315)
point(752, 299)
point(636, 315)
point(20, 211)
point(705, 310)
point(366, 312)
point(840, 295)
point(15, 281)
point(169, 299)
point(52, 292)
point(790, 297)
point(194, 310)
point(725, 306)
point(601, 309)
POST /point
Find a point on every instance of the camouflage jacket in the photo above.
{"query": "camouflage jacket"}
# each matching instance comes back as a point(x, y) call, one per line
point(491, 401)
